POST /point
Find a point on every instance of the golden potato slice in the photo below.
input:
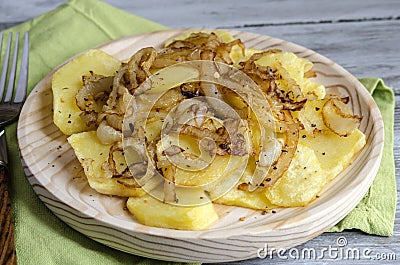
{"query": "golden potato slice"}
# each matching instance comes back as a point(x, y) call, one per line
point(202, 177)
point(298, 186)
point(301, 183)
point(254, 200)
point(67, 81)
point(242, 197)
point(311, 116)
point(319, 159)
point(334, 152)
point(153, 128)
point(92, 154)
point(152, 212)
point(237, 57)
point(296, 67)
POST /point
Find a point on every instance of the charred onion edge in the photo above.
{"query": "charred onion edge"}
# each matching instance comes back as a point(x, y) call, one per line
point(337, 105)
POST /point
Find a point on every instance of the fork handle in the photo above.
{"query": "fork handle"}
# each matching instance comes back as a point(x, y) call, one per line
point(7, 246)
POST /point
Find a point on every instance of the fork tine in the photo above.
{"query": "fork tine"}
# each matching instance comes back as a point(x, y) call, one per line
point(20, 92)
point(11, 77)
point(5, 67)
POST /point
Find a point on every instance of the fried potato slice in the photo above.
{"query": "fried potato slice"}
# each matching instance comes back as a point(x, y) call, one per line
point(334, 152)
point(92, 154)
point(298, 186)
point(242, 197)
point(66, 83)
point(152, 212)
point(302, 182)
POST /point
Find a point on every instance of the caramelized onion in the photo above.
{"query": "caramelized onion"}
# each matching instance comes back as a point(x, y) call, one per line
point(115, 121)
point(199, 120)
point(169, 185)
point(339, 118)
point(194, 47)
point(139, 67)
point(272, 166)
point(92, 96)
point(107, 134)
point(285, 158)
point(94, 87)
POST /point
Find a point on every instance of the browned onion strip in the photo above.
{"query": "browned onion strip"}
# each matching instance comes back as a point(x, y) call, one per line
point(200, 133)
point(118, 90)
point(130, 76)
point(107, 134)
point(169, 185)
point(267, 77)
point(339, 118)
point(193, 46)
point(249, 64)
point(139, 152)
point(109, 167)
point(170, 56)
point(94, 87)
point(88, 99)
point(115, 121)
point(285, 158)
point(127, 180)
point(90, 118)
point(294, 96)
point(210, 89)
point(139, 67)
point(288, 102)
point(224, 50)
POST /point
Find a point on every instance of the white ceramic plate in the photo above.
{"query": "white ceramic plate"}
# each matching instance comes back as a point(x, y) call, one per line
point(51, 168)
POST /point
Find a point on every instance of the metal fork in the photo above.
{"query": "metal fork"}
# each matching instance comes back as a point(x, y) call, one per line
point(12, 98)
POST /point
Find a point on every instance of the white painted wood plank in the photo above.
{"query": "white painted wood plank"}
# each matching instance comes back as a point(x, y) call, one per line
point(366, 48)
point(213, 13)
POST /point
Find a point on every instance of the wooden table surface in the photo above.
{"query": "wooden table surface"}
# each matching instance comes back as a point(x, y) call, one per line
point(362, 36)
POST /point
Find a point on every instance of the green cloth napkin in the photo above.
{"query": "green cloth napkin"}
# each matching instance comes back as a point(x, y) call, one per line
point(41, 238)
point(375, 213)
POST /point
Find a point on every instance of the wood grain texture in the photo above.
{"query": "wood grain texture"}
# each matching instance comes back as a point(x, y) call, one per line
point(7, 246)
point(50, 162)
